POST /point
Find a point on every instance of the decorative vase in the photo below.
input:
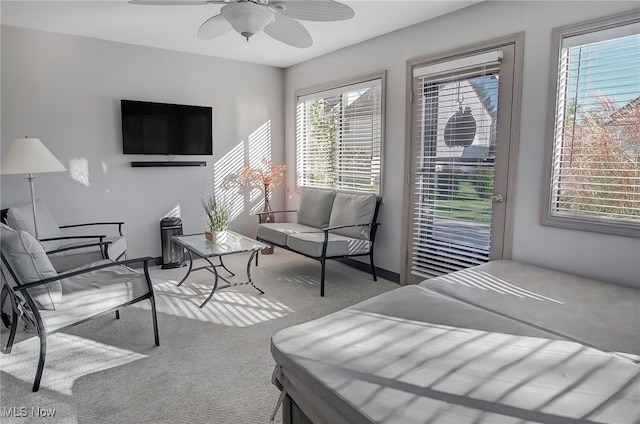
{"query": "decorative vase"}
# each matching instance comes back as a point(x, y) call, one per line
point(220, 236)
point(216, 236)
point(267, 217)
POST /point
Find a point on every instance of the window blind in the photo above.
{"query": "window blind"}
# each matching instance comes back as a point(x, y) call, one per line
point(339, 137)
point(596, 153)
point(455, 140)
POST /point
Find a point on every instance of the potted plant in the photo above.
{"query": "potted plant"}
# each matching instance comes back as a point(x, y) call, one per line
point(216, 216)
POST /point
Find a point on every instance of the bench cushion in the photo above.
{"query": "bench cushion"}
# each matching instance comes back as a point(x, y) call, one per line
point(353, 209)
point(277, 232)
point(310, 244)
point(315, 207)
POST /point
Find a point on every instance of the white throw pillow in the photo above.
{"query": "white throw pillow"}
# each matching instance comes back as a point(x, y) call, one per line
point(29, 261)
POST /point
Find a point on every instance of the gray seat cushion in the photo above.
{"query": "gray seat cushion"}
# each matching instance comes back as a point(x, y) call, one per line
point(29, 261)
point(315, 207)
point(277, 232)
point(311, 244)
point(88, 295)
point(353, 209)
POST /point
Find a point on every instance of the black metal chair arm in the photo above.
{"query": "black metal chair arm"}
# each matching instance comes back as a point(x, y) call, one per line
point(118, 223)
point(27, 286)
point(101, 244)
point(98, 236)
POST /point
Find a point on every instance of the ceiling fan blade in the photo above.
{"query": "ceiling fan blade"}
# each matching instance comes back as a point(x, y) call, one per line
point(214, 27)
point(288, 31)
point(174, 2)
point(314, 10)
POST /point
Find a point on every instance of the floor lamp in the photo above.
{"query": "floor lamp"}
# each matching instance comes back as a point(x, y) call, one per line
point(29, 156)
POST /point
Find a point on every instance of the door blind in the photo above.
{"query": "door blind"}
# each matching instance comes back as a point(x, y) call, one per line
point(596, 162)
point(339, 137)
point(455, 140)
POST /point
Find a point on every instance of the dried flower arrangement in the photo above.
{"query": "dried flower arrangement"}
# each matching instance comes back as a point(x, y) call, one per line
point(268, 175)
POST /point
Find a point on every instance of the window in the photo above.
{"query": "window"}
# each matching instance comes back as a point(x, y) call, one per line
point(339, 137)
point(594, 176)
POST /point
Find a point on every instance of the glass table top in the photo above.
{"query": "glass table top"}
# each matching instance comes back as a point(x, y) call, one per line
point(234, 243)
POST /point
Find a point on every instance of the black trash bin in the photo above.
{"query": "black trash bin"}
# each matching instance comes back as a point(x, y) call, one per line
point(172, 254)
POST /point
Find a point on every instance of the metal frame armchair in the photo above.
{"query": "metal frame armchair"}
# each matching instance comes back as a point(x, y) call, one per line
point(68, 250)
point(51, 302)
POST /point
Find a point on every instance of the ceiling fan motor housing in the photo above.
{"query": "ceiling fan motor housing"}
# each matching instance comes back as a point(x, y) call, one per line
point(247, 18)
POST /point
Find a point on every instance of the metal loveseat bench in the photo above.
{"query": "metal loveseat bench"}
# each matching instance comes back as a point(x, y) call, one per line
point(329, 225)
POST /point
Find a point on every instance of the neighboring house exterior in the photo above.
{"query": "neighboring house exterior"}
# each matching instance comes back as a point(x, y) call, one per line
point(463, 94)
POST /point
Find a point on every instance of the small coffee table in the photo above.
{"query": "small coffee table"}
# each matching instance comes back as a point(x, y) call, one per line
point(202, 248)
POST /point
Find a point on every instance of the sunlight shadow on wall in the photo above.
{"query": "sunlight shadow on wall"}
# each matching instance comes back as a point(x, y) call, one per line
point(79, 170)
point(173, 213)
point(223, 182)
point(259, 150)
point(260, 145)
point(224, 170)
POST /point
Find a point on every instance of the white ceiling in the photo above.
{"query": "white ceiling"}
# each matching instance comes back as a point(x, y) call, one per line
point(175, 27)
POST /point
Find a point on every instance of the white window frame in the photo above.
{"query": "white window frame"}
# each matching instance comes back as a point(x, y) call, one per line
point(548, 214)
point(339, 88)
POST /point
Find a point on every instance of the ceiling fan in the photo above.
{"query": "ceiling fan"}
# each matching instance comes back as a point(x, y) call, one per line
point(276, 17)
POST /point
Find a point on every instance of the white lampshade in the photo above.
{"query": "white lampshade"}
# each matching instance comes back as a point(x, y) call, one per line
point(29, 156)
point(247, 18)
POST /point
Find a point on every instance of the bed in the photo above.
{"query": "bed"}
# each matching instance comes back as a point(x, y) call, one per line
point(502, 342)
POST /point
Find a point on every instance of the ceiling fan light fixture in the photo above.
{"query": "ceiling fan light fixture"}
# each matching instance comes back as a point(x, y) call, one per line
point(246, 17)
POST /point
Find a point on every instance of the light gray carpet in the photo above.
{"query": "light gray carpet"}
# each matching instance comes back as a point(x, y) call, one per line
point(213, 365)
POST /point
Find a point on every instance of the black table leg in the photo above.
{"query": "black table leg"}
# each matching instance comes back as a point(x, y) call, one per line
point(255, 253)
point(215, 284)
point(213, 269)
point(190, 268)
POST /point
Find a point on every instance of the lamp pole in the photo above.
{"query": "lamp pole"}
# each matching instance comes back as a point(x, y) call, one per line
point(30, 178)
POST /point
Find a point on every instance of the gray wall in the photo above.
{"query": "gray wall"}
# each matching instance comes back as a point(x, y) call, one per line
point(66, 91)
point(612, 258)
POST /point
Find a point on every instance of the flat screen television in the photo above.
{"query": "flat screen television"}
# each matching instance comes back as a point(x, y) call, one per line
point(150, 128)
